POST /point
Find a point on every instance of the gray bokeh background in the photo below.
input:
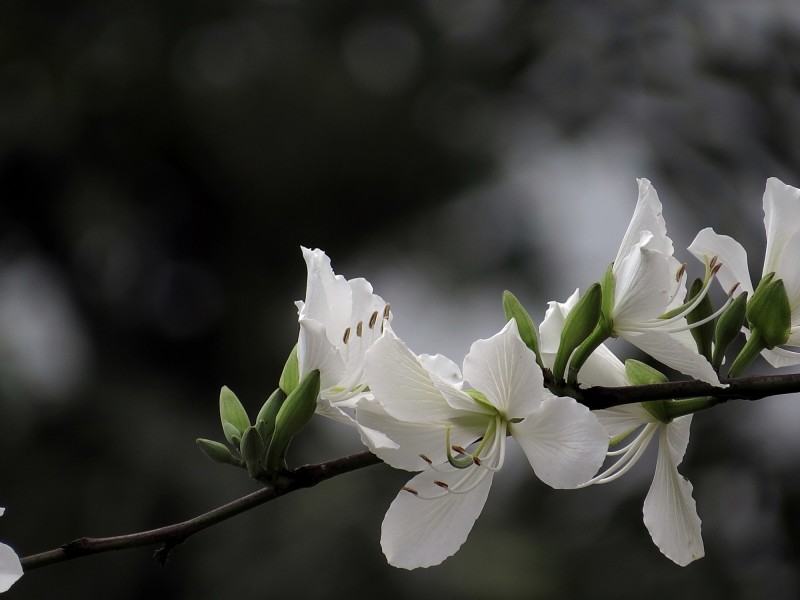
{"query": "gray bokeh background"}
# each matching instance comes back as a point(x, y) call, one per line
point(162, 162)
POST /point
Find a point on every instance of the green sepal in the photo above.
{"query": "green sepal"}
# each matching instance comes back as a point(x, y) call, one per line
point(294, 414)
point(729, 325)
point(480, 398)
point(513, 309)
point(218, 452)
point(265, 420)
point(641, 374)
point(703, 334)
point(769, 312)
point(252, 449)
point(290, 376)
point(232, 413)
point(579, 324)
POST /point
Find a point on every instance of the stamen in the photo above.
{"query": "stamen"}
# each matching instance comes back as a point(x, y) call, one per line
point(386, 310)
point(459, 449)
point(426, 459)
point(373, 319)
point(410, 490)
point(360, 328)
point(476, 460)
point(346, 335)
point(625, 463)
point(441, 484)
point(680, 272)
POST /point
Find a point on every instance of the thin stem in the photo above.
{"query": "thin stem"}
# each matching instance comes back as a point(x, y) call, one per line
point(172, 535)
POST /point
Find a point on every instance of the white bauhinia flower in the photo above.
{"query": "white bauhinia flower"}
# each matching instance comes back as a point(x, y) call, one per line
point(649, 282)
point(339, 320)
point(669, 509)
point(457, 436)
point(10, 567)
point(782, 224)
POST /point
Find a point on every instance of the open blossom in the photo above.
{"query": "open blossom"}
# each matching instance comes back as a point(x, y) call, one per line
point(457, 436)
point(339, 320)
point(670, 514)
point(782, 224)
point(10, 567)
point(648, 283)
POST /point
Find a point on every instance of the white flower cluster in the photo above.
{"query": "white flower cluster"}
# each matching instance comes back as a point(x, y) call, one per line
point(423, 413)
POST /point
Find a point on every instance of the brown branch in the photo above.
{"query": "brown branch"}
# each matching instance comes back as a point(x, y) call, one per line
point(172, 535)
point(741, 388)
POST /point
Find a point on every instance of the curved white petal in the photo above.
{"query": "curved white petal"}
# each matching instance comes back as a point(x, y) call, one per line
point(643, 284)
point(789, 270)
point(621, 420)
point(314, 351)
point(552, 325)
point(646, 217)
point(708, 244)
point(422, 533)
point(781, 220)
point(781, 357)
point(401, 383)
point(504, 369)
point(669, 510)
point(328, 296)
point(448, 371)
point(10, 567)
point(400, 443)
point(564, 442)
point(603, 368)
point(668, 350)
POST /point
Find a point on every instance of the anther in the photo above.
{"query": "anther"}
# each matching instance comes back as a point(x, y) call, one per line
point(441, 484)
point(712, 262)
point(410, 490)
point(716, 268)
point(476, 460)
point(426, 459)
point(733, 289)
point(459, 449)
point(373, 319)
point(360, 328)
point(346, 335)
point(386, 310)
point(680, 272)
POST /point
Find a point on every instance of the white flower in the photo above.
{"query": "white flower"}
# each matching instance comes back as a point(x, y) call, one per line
point(421, 404)
point(782, 224)
point(669, 509)
point(10, 567)
point(648, 283)
point(339, 320)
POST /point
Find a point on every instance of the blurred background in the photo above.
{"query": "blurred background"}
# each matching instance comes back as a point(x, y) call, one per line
point(162, 162)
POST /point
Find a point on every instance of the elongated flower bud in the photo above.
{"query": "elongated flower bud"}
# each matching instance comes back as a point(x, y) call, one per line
point(252, 449)
point(769, 313)
point(294, 414)
point(702, 334)
point(265, 420)
point(513, 309)
point(641, 374)
point(579, 324)
point(233, 416)
point(729, 325)
point(290, 376)
point(218, 452)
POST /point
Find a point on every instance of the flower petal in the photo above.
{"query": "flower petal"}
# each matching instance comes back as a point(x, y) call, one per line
point(314, 351)
point(401, 383)
point(603, 368)
point(552, 325)
point(669, 510)
point(10, 567)
point(781, 357)
point(789, 270)
point(421, 533)
point(400, 443)
point(668, 350)
point(643, 284)
point(646, 217)
point(328, 296)
point(621, 420)
point(781, 220)
point(504, 369)
point(730, 253)
point(563, 441)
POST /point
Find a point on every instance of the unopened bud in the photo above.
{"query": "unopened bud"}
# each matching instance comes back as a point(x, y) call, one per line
point(252, 449)
point(579, 324)
point(218, 452)
point(290, 376)
point(233, 415)
point(265, 420)
point(641, 374)
point(729, 325)
point(769, 313)
point(513, 309)
point(294, 414)
point(702, 334)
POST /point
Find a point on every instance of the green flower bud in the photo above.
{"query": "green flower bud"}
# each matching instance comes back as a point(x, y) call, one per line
point(290, 376)
point(218, 452)
point(608, 286)
point(702, 334)
point(729, 325)
point(769, 313)
point(641, 374)
point(233, 415)
point(265, 420)
point(513, 309)
point(252, 449)
point(293, 415)
point(579, 324)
